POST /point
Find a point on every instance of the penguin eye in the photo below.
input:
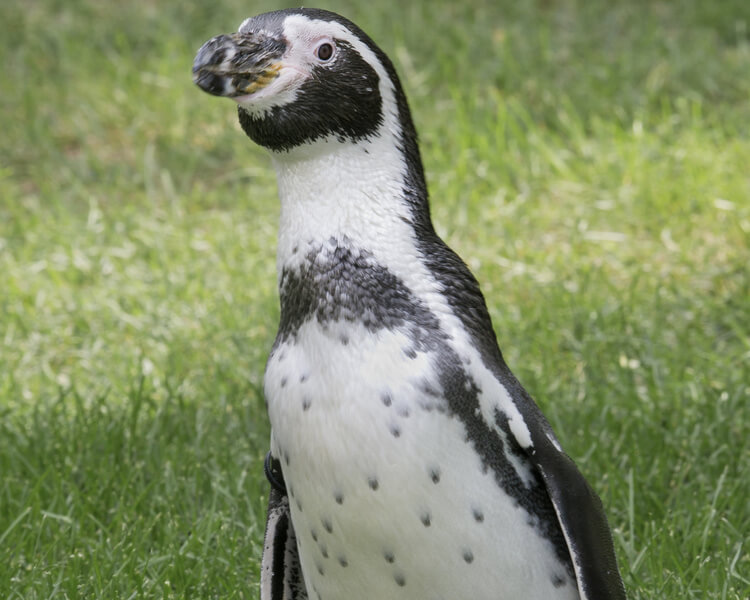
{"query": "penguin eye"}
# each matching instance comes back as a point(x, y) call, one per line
point(324, 52)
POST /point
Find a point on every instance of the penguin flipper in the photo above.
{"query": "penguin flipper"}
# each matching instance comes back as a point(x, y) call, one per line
point(584, 524)
point(579, 509)
point(281, 574)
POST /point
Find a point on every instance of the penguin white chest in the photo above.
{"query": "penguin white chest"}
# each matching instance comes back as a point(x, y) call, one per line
point(389, 499)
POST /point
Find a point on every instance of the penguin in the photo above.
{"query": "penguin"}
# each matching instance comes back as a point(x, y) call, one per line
point(407, 461)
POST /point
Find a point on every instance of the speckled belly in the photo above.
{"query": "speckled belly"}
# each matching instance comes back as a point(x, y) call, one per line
point(389, 499)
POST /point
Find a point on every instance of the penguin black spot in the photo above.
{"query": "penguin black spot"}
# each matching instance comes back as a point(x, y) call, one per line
point(399, 579)
point(283, 380)
point(426, 518)
point(323, 550)
point(343, 562)
point(478, 515)
point(303, 378)
point(306, 402)
point(299, 504)
point(429, 389)
point(389, 557)
point(327, 525)
point(321, 571)
point(286, 458)
point(314, 534)
point(435, 474)
point(410, 353)
point(338, 497)
point(403, 411)
point(386, 398)
point(395, 431)
point(344, 339)
point(558, 581)
point(373, 483)
point(468, 556)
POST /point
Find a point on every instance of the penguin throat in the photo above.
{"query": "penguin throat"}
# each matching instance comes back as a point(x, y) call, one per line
point(334, 189)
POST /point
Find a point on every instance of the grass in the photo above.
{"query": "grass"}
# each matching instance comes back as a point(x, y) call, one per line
point(588, 159)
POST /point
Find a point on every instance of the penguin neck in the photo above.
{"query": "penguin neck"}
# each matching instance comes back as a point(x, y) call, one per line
point(366, 194)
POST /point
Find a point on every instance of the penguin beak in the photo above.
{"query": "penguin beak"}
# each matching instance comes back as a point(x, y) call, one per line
point(238, 64)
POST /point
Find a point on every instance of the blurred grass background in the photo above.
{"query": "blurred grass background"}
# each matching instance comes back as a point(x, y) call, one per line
point(589, 159)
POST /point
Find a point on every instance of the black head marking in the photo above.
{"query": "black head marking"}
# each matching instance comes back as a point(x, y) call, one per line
point(341, 99)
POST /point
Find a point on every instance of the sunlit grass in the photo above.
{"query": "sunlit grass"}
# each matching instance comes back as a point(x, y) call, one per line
point(588, 160)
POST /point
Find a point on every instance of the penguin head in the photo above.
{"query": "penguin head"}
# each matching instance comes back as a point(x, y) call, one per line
point(301, 76)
